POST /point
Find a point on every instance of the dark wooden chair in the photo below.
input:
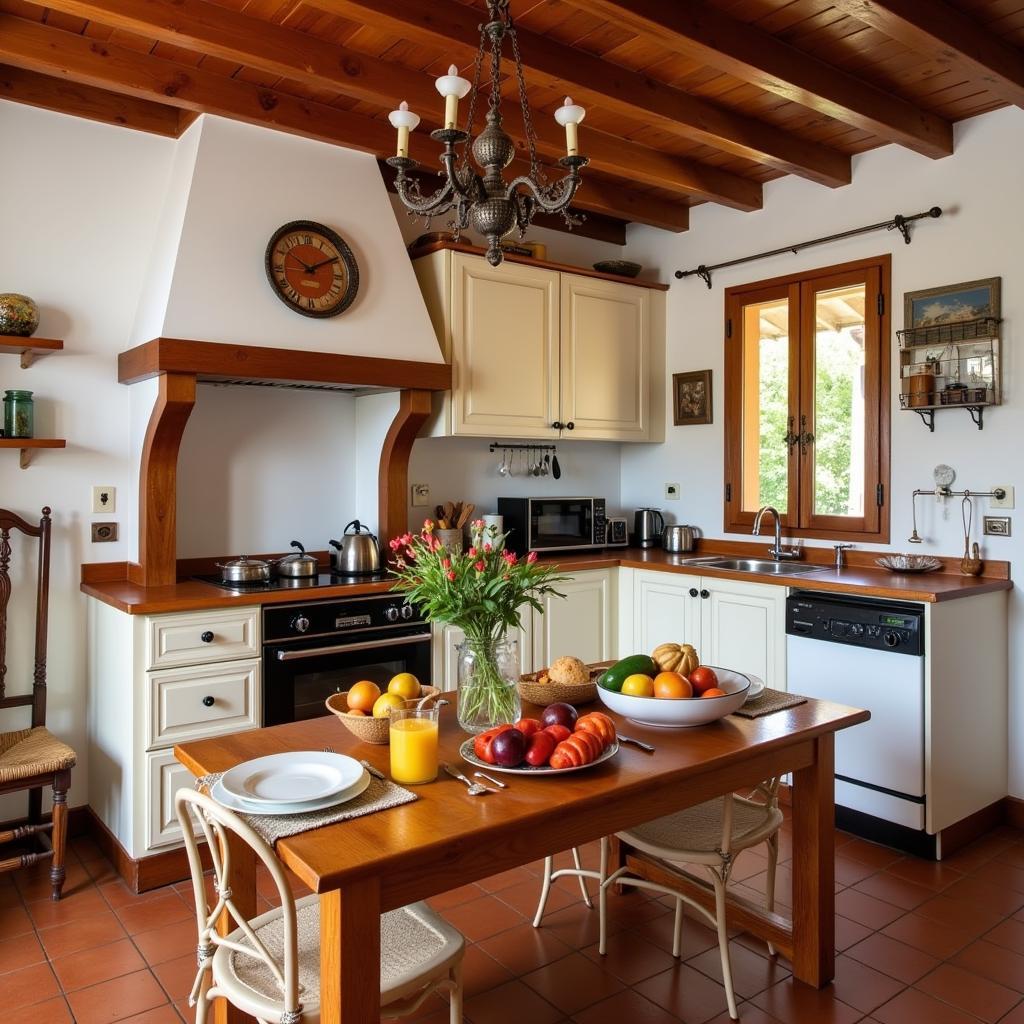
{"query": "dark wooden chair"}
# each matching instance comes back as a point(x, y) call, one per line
point(33, 758)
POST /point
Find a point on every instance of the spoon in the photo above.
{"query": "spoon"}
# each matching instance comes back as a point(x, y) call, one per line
point(503, 468)
point(474, 788)
point(544, 466)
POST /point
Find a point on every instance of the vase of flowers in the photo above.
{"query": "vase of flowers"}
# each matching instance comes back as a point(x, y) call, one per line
point(481, 590)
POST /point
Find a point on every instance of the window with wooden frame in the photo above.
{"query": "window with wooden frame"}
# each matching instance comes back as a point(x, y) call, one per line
point(807, 402)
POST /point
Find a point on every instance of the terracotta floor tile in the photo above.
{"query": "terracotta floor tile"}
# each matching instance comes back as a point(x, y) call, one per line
point(165, 1014)
point(1009, 934)
point(117, 894)
point(978, 890)
point(961, 988)
point(576, 926)
point(524, 896)
point(695, 939)
point(100, 870)
point(751, 972)
point(849, 932)
point(850, 871)
point(926, 935)
point(866, 910)
point(480, 972)
point(863, 987)
point(512, 1003)
point(627, 1006)
point(898, 960)
point(749, 1014)
point(96, 964)
point(480, 918)
point(523, 948)
point(993, 962)
point(28, 986)
point(872, 854)
point(177, 976)
point(573, 983)
point(959, 913)
point(76, 879)
point(21, 951)
point(50, 1011)
point(895, 890)
point(116, 999)
point(686, 993)
point(505, 879)
point(794, 1003)
point(980, 852)
point(155, 913)
point(95, 930)
point(932, 874)
point(998, 872)
point(14, 920)
point(158, 945)
point(73, 907)
point(914, 1007)
point(631, 958)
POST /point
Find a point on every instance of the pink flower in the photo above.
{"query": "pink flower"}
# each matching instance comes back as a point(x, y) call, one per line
point(446, 563)
point(480, 566)
point(472, 552)
point(478, 524)
point(411, 553)
point(532, 557)
point(428, 525)
point(451, 576)
point(488, 548)
point(394, 543)
point(510, 557)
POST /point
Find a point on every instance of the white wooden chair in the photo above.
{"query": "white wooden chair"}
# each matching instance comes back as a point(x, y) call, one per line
point(710, 834)
point(269, 967)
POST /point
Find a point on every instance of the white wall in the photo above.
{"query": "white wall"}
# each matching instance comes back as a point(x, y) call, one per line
point(979, 235)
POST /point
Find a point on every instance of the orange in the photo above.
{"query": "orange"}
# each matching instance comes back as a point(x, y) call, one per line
point(362, 695)
point(358, 714)
point(638, 685)
point(672, 685)
point(406, 685)
point(385, 702)
point(714, 692)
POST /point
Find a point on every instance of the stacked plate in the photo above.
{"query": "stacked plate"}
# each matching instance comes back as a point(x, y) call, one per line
point(292, 783)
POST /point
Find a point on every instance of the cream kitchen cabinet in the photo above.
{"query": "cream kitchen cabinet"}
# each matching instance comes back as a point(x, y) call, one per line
point(538, 353)
point(445, 654)
point(582, 624)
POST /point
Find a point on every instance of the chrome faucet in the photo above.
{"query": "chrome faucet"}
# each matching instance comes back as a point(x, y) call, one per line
point(777, 551)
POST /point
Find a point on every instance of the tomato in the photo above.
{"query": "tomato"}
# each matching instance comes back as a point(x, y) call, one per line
point(528, 726)
point(482, 743)
point(539, 747)
point(701, 679)
point(560, 732)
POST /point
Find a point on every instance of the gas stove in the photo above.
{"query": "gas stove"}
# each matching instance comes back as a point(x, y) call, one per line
point(324, 579)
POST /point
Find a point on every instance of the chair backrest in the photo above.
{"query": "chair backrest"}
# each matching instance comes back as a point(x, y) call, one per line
point(216, 822)
point(37, 698)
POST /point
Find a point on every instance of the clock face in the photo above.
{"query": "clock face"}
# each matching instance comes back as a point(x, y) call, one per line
point(311, 269)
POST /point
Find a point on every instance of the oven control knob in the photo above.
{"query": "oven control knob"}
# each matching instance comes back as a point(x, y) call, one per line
point(300, 624)
point(391, 613)
point(407, 612)
point(891, 639)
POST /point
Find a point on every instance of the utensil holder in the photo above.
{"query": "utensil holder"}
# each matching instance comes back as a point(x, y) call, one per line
point(450, 539)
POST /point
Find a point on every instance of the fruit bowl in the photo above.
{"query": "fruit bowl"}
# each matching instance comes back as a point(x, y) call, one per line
point(684, 712)
point(365, 727)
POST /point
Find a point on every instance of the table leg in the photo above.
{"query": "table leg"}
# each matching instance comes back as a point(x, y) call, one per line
point(243, 890)
point(350, 954)
point(814, 866)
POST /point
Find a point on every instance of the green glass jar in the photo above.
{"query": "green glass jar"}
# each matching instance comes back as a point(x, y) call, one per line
point(18, 414)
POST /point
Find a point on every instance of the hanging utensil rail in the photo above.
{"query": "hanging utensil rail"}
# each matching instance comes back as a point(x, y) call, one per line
point(495, 445)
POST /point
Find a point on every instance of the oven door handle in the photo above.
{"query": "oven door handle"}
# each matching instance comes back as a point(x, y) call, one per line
point(366, 645)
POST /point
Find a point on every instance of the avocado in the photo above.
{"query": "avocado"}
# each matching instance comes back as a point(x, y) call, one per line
point(614, 677)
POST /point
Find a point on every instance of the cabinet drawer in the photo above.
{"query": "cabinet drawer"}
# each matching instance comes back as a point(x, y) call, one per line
point(199, 637)
point(164, 777)
point(189, 703)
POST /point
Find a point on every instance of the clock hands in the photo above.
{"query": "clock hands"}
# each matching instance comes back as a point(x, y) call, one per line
point(305, 266)
point(322, 263)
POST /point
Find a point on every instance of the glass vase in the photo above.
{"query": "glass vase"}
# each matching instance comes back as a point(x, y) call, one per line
point(487, 680)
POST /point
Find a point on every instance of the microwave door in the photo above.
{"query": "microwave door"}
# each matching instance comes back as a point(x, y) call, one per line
point(561, 523)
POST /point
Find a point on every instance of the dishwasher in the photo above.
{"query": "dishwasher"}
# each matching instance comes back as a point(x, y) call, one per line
point(868, 654)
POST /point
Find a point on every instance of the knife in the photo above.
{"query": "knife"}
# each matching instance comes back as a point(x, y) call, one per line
point(636, 743)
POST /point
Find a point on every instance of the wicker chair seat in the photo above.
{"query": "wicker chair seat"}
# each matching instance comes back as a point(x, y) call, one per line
point(27, 753)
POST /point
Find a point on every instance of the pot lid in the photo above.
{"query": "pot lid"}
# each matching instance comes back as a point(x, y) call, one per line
point(244, 562)
point(299, 555)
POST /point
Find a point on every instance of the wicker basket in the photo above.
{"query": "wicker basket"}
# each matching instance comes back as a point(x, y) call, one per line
point(543, 694)
point(364, 727)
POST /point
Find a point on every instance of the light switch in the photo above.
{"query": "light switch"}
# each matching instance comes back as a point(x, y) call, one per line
point(420, 495)
point(104, 500)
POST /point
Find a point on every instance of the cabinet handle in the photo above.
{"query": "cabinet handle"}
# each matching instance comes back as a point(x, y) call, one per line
point(208, 701)
point(557, 424)
point(705, 594)
point(694, 591)
point(207, 637)
point(570, 425)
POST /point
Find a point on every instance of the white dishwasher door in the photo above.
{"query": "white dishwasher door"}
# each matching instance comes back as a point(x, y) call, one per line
point(888, 750)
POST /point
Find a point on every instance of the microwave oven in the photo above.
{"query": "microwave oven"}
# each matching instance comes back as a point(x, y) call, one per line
point(557, 524)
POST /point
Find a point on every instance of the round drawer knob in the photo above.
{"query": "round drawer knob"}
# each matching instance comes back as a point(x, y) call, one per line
point(570, 425)
point(208, 701)
point(557, 424)
point(705, 594)
point(694, 592)
point(207, 637)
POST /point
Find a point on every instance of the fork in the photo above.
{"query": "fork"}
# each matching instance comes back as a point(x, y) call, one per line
point(474, 788)
point(375, 772)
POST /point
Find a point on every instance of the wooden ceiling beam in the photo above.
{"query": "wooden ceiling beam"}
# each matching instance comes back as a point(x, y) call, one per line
point(205, 28)
point(66, 55)
point(37, 90)
point(937, 27)
point(702, 33)
point(610, 86)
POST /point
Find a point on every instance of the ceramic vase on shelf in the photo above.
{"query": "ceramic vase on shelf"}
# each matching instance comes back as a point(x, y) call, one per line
point(19, 315)
point(488, 677)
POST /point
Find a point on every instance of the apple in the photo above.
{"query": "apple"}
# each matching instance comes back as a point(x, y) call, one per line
point(560, 714)
point(702, 679)
point(508, 748)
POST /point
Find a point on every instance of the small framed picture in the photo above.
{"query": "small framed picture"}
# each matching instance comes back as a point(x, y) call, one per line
point(952, 303)
point(691, 397)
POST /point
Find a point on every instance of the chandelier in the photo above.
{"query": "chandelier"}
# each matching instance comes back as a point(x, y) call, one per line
point(485, 202)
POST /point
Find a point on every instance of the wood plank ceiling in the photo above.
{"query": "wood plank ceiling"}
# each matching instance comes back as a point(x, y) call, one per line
point(692, 102)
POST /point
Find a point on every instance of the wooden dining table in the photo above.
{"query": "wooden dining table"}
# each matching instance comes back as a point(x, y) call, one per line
point(365, 866)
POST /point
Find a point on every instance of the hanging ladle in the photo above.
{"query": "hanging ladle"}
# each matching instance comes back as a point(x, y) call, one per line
point(914, 538)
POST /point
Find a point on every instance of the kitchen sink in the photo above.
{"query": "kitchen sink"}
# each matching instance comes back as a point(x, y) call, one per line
point(765, 566)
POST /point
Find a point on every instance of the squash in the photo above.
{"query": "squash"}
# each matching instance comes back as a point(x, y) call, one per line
point(681, 658)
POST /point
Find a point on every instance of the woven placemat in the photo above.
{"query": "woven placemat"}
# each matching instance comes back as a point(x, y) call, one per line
point(768, 702)
point(379, 796)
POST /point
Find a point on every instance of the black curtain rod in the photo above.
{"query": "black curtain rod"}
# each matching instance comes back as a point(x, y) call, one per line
point(898, 223)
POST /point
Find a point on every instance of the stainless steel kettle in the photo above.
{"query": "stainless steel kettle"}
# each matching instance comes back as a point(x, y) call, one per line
point(648, 524)
point(357, 553)
point(678, 538)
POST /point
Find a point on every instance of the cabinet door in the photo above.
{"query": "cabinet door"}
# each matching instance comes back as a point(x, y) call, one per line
point(665, 611)
point(605, 359)
point(446, 656)
point(743, 627)
point(581, 624)
point(504, 349)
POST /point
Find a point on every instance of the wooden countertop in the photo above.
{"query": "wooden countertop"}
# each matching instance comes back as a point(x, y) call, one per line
point(863, 580)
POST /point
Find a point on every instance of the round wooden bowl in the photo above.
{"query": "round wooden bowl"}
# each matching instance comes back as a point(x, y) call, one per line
point(365, 727)
point(544, 694)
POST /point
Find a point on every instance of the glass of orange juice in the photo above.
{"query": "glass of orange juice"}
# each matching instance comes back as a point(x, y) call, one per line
point(413, 736)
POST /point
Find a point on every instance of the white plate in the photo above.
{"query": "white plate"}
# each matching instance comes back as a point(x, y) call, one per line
point(232, 803)
point(683, 712)
point(756, 688)
point(294, 777)
point(466, 751)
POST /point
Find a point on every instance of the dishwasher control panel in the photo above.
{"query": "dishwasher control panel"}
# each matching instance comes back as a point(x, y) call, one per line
point(875, 625)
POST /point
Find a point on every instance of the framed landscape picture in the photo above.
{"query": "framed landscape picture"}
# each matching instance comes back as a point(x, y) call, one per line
point(691, 397)
point(952, 303)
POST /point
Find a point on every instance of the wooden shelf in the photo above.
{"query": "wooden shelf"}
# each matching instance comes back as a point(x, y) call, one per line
point(28, 444)
point(29, 348)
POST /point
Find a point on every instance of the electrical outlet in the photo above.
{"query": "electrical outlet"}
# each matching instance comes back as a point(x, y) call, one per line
point(103, 533)
point(420, 495)
point(104, 500)
point(671, 492)
point(1004, 502)
point(997, 526)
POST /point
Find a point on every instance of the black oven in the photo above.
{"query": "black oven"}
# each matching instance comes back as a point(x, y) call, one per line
point(316, 648)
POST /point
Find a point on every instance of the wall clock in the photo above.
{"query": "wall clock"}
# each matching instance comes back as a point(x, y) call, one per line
point(311, 269)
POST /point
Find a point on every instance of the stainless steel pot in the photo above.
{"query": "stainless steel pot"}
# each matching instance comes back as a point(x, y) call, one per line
point(357, 552)
point(298, 565)
point(244, 570)
point(678, 538)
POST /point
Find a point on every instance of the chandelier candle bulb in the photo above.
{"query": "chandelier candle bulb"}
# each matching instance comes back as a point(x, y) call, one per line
point(452, 88)
point(405, 121)
point(569, 115)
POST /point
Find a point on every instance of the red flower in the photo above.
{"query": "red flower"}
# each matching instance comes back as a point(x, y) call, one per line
point(472, 552)
point(480, 566)
point(532, 557)
point(510, 557)
point(451, 576)
point(394, 543)
point(428, 525)
point(488, 548)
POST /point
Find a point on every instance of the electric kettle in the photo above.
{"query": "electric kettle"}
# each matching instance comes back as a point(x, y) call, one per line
point(648, 524)
point(357, 553)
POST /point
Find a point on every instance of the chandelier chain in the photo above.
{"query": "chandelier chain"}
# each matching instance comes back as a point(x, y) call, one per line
point(473, 94)
point(531, 135)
